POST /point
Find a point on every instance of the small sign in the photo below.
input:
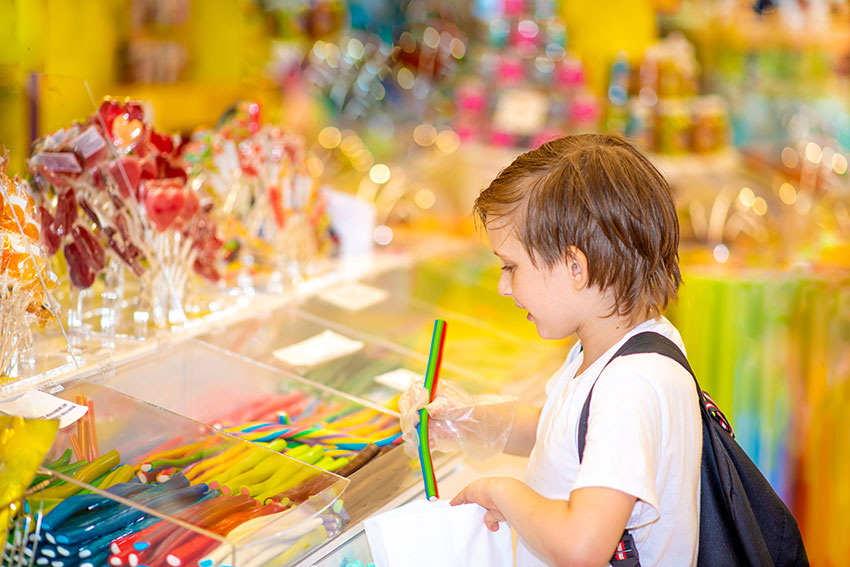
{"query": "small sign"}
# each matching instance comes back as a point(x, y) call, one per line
point(399, 379)
point(320, 348)
point(353, 296)
point(36, 404)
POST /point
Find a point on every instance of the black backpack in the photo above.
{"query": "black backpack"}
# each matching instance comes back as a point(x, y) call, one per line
point(742, 520)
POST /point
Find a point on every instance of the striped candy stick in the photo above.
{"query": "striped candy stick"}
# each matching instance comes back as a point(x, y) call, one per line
point(435, 359)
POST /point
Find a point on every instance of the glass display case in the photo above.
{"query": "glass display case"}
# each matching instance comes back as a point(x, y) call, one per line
point(352, 437)
point(131, 484)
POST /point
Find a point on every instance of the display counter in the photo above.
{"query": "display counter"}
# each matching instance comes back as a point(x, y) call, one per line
point(245, 381)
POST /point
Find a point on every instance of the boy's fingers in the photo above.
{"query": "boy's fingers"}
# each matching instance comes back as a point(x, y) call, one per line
point(414, 399)
point(492, 519)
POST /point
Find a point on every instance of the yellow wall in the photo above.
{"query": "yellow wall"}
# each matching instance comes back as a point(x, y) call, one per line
point(72, 47)
point(598, 31)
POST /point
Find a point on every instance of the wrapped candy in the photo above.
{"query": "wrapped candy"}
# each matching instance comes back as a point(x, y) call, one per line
point(24, 270)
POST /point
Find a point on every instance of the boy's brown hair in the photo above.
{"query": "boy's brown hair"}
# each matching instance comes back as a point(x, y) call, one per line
point(598, 193)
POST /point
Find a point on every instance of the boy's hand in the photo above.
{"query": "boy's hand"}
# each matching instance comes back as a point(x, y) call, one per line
point(478, 425)
point(479, 492)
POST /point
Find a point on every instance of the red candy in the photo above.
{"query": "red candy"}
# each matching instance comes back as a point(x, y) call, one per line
point(79, 269)
point(164, 199)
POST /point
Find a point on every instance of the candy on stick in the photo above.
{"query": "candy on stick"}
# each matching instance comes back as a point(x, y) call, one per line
point(113, 187)
point(435, 359)
point(259, 178)
point(25, 276)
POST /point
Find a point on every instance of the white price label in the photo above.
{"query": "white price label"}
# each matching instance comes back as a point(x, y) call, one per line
point(399, 379)
point(354, 296)
point(36, 404)
point(320, 348)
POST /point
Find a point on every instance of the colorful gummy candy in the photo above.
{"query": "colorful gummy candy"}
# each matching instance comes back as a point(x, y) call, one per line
point(213, 485)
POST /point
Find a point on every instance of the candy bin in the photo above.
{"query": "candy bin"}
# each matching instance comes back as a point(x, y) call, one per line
point(126, 483)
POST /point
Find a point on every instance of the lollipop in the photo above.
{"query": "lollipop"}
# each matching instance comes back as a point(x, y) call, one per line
point(24, 271)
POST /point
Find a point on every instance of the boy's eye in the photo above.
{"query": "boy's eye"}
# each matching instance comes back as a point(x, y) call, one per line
point(507, 268)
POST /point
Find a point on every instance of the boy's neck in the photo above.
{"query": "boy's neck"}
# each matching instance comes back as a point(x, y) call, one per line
point(601, 335)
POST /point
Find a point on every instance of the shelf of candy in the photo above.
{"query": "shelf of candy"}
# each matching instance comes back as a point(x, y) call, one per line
point(764, 312)
point(375, 91)
point(131, 484)
point(521, 84)
point(656, 102)
point(809, 179)
point(373, 368)
point(271, 206)
point(26, 281)
point(771, 349)
point(351, 437)
point(114, 199)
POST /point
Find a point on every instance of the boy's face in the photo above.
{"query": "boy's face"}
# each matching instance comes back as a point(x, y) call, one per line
point(549, 294)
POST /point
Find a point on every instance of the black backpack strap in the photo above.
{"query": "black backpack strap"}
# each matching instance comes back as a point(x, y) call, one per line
point(641, 343)
point(626, 554)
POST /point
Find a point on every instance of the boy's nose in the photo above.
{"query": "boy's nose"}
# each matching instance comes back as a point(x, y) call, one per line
point(504, 286)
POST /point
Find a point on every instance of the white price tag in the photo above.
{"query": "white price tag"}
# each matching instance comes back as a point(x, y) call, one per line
point(522, 112)
point(320, 348)
point(353, 296)
point(399, 379)
point(36, 404)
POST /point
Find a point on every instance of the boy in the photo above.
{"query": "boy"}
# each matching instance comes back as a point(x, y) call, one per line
point(586, 230)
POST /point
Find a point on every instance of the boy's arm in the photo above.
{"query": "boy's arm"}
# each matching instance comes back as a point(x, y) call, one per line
point(524, 432)
point(582, 531)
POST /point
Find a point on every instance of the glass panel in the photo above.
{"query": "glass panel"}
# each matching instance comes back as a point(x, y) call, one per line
point(372, 369)
point(353, 438)
point(177, 491)
point(498, 357)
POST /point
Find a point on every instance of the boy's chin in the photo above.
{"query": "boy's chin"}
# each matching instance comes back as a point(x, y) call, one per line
point(548, 334)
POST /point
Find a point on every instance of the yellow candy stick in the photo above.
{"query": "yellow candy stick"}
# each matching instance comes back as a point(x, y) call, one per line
point(356, 418)
point(299, 451)
point(338, 464)
point(278, 477)
point(293, 481)
point(177, 452)
point(314, 455)
point(86, 474)
point(245, 464)
point(212, 462)
point(264, 470)
point(122, 474)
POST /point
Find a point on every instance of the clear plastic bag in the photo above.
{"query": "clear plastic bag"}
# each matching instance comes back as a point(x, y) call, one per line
point(477, 425)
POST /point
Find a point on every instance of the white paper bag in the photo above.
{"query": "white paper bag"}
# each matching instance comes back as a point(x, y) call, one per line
point(425, 534)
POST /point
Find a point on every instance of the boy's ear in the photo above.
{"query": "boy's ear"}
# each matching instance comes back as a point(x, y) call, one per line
point(577, 267)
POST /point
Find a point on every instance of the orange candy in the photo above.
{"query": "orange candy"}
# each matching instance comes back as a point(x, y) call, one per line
point(21, 262)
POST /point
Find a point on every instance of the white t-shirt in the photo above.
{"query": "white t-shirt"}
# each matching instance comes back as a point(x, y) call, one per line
point(644, 438)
